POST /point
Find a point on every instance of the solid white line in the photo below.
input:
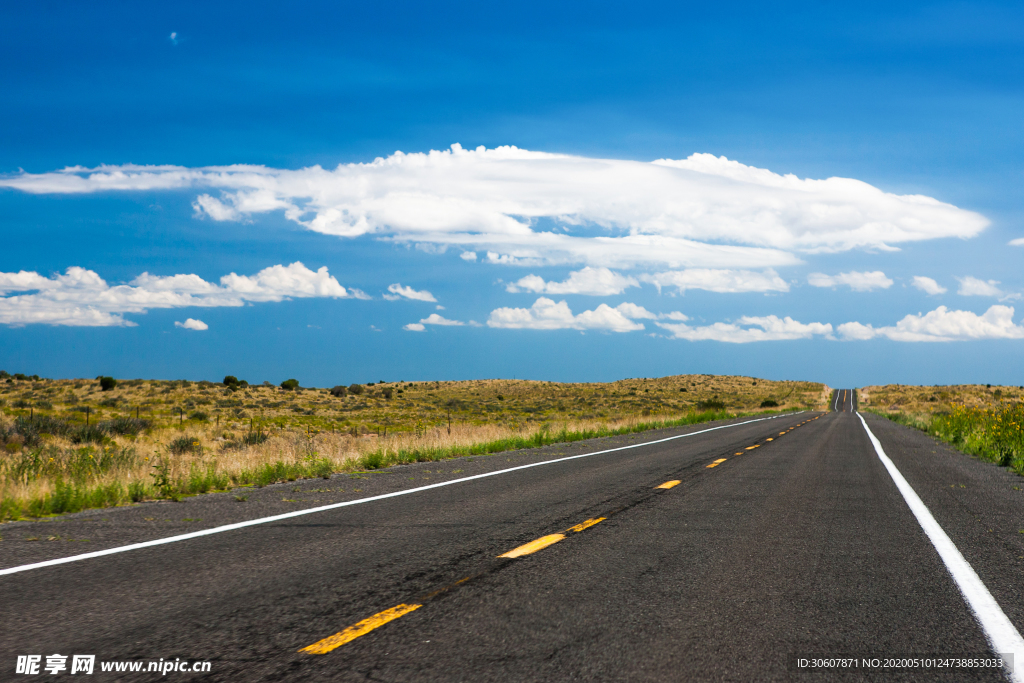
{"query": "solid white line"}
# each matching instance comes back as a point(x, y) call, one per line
point(1000, 631)
point(322, 508)
point(836, 404)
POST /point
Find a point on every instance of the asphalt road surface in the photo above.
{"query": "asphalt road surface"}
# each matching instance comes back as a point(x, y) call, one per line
point(784, 539)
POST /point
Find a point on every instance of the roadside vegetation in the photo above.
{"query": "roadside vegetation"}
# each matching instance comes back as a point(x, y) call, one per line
point(981, 420)
point(68, 445)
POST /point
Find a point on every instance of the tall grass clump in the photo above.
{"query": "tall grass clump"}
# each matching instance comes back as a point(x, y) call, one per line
point(993, 434)
point(997, 435)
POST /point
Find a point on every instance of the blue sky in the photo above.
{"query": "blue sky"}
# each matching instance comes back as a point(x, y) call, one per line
point(742, 259)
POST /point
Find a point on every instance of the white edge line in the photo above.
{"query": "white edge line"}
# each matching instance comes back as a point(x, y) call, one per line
point(322, 508)
point(999, 630)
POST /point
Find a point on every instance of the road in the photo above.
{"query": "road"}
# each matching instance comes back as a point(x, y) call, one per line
point(783, 538)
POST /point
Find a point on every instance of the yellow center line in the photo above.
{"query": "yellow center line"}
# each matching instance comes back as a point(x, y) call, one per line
point(591, 522)
point(534, 546)
point(717, 462)
point(782, 433)
point(669, 484)
point(362, 628)
point(750, 447)
point(740, 453)
point(769, 439)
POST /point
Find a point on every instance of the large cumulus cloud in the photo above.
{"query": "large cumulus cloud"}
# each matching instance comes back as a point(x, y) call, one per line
point(535, 207)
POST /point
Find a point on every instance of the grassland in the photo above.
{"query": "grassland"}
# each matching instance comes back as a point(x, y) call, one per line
point(69, 445)
point(982, 420)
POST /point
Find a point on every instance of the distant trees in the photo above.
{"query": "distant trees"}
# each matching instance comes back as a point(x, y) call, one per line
point(290, 384)
point(234, 384)
point(107, 383)
point(339, 391)
point(355, 389)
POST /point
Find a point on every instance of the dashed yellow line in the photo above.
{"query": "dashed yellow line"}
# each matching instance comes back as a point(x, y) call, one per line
point(534, 546)
point(362, 628)
point(377, 620)
point(591, 522)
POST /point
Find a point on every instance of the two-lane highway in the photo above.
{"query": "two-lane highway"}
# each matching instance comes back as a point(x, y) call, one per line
point(844, 401)
point(721, 555)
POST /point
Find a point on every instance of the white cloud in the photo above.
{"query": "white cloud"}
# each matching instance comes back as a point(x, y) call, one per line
point(928, 285)
point(858, 282)
point(545, 314)
point(750, 329)
point(1019, 242)
point(942, 325)
point(703, 211)
point(592, 281)
point(634, 312)
point(398, 292)
point(192, 324)
point(82, 298)
point(468, 256)
point(719, 280)
point(435, 319)
point(414, 327)
point(972, 286)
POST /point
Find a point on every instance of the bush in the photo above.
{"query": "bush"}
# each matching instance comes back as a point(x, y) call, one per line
point(290, 384)
point(124, 426)
point(388, 392)
point(185, 444)
point(199, 416)
point(355, 389)
point(234, 384)
point(769, 403)
point(254, 438)
point(107, 383)
point(711, 404)
point(339, 391)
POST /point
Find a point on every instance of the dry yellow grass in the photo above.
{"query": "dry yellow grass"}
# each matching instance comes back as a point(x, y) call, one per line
point(311, 426)
point(930, 400)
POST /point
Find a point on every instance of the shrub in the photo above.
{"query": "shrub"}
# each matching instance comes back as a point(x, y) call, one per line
point(254, 438)
point(230, 380)
point(199, 416)
point(355, 389)
point(185, 444)
point(290, 384)
point(124, 426)
point(769, 403)
point(339, 391)
point(107, 383)
point(388, 392)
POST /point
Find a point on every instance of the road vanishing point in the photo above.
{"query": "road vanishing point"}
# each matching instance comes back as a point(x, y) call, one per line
point(758, 548)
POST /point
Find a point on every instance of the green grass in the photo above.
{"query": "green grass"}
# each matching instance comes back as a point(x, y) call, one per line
point(992, 434)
